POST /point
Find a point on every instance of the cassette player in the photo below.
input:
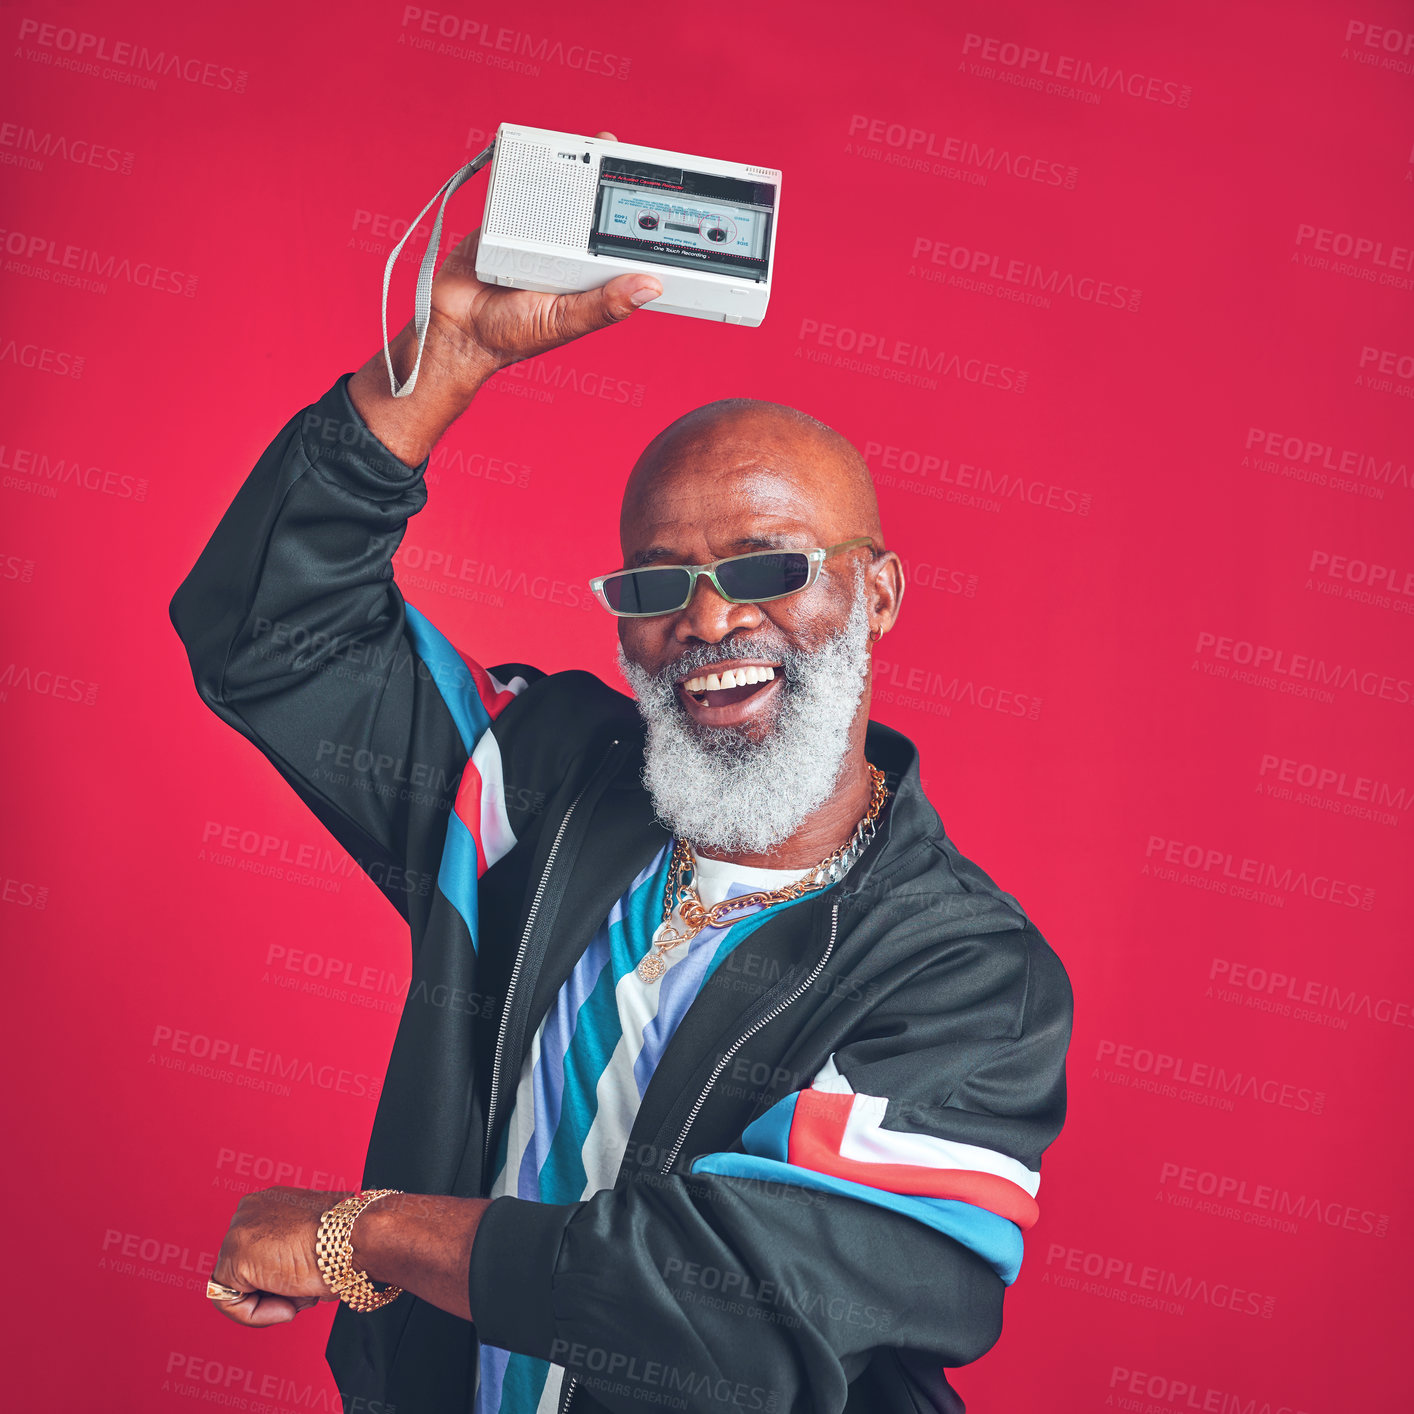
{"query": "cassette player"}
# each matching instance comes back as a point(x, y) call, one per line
point(568, 213)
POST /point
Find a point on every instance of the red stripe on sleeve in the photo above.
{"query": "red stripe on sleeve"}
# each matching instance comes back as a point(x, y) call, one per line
point(494, 702)
point(468, 808)
point(817, 1136)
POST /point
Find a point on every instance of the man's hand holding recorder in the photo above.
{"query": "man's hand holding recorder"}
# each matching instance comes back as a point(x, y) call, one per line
point(476, 329)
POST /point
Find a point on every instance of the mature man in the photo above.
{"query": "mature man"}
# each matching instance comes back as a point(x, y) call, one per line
point(723, 1078)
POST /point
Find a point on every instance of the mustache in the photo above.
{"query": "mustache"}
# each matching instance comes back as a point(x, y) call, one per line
point(703, 655)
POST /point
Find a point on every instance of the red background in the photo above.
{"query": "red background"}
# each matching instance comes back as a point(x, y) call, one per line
point(1069, 659)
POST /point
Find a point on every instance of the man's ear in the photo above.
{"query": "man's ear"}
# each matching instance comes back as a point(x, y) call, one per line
point(886, 583)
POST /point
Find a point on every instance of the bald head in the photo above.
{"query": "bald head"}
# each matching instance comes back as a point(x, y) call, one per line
point(745, 448)
point(738, 477)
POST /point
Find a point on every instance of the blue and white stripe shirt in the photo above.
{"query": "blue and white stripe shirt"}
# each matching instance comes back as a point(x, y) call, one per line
point(590, 1062)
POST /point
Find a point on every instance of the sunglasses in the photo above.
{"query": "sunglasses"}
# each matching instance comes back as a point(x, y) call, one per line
point(753, 578)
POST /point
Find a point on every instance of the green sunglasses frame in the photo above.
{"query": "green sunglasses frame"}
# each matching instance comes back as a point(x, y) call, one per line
point(817, 557)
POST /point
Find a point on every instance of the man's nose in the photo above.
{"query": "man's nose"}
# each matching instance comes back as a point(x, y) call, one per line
point(709, 618)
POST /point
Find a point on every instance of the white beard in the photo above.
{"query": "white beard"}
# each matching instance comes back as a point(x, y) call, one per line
point(725, 793)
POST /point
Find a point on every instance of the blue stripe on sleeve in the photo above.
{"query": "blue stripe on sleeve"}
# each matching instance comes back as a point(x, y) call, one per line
point(456, 875)
point(768, 1135)
point(996, 1240)
point(452, 676)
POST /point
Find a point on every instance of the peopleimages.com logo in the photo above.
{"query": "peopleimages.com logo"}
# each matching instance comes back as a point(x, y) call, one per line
point(122, 60)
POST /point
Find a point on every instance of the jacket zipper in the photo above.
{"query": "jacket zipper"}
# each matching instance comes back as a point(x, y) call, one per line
point(722, 1064)
point(726, 1058)
point(520, 958)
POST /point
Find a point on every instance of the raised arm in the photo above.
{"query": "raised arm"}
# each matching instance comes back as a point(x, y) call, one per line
point(474, 330)
point(298, 635)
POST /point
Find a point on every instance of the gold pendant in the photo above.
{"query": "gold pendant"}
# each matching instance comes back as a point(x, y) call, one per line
point(651, 967)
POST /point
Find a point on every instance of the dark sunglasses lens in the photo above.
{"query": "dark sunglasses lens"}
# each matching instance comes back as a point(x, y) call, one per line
point(647, 591)
point(765, 576)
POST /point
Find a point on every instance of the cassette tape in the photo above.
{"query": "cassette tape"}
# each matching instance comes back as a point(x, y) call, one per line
point(566, 213)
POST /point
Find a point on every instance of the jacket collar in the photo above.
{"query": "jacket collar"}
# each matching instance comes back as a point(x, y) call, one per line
point(910, 817)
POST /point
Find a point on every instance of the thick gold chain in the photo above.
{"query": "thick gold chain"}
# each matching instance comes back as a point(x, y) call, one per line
point(682, 891)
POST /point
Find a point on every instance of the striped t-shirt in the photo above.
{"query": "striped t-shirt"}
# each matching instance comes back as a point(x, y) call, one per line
point(590, 1062)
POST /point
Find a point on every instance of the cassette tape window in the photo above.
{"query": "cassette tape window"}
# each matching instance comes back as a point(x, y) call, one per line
point(670, 216)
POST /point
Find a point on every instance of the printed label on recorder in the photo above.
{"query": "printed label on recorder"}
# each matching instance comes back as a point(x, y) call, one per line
point(670, 216)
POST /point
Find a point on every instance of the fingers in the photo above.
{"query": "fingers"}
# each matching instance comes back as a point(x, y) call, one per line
point(261, 1308)
point(583, 313)
point(609, 136)
point(622, 295)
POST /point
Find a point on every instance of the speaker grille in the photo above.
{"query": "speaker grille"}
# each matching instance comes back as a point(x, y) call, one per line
point(538, 196)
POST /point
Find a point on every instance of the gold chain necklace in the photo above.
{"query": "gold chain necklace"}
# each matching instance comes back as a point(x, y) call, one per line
point(696, 916)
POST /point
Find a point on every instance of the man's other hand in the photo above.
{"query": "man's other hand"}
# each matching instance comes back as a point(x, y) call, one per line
point(269, 1252)
point(418, 1241)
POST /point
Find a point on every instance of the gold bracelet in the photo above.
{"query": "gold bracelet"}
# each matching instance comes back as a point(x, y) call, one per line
point(333, 1250)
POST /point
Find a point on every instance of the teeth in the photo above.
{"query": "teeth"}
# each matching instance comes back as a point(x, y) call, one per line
point(733, 677)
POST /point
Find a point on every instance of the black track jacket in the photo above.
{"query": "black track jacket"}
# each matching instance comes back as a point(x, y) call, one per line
point(925, 993)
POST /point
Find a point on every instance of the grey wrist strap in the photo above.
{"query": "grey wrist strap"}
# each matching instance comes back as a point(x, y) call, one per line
point(422, 302)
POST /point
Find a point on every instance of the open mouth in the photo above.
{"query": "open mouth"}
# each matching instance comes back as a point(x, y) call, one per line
point(731, 694)
point(727, 688)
